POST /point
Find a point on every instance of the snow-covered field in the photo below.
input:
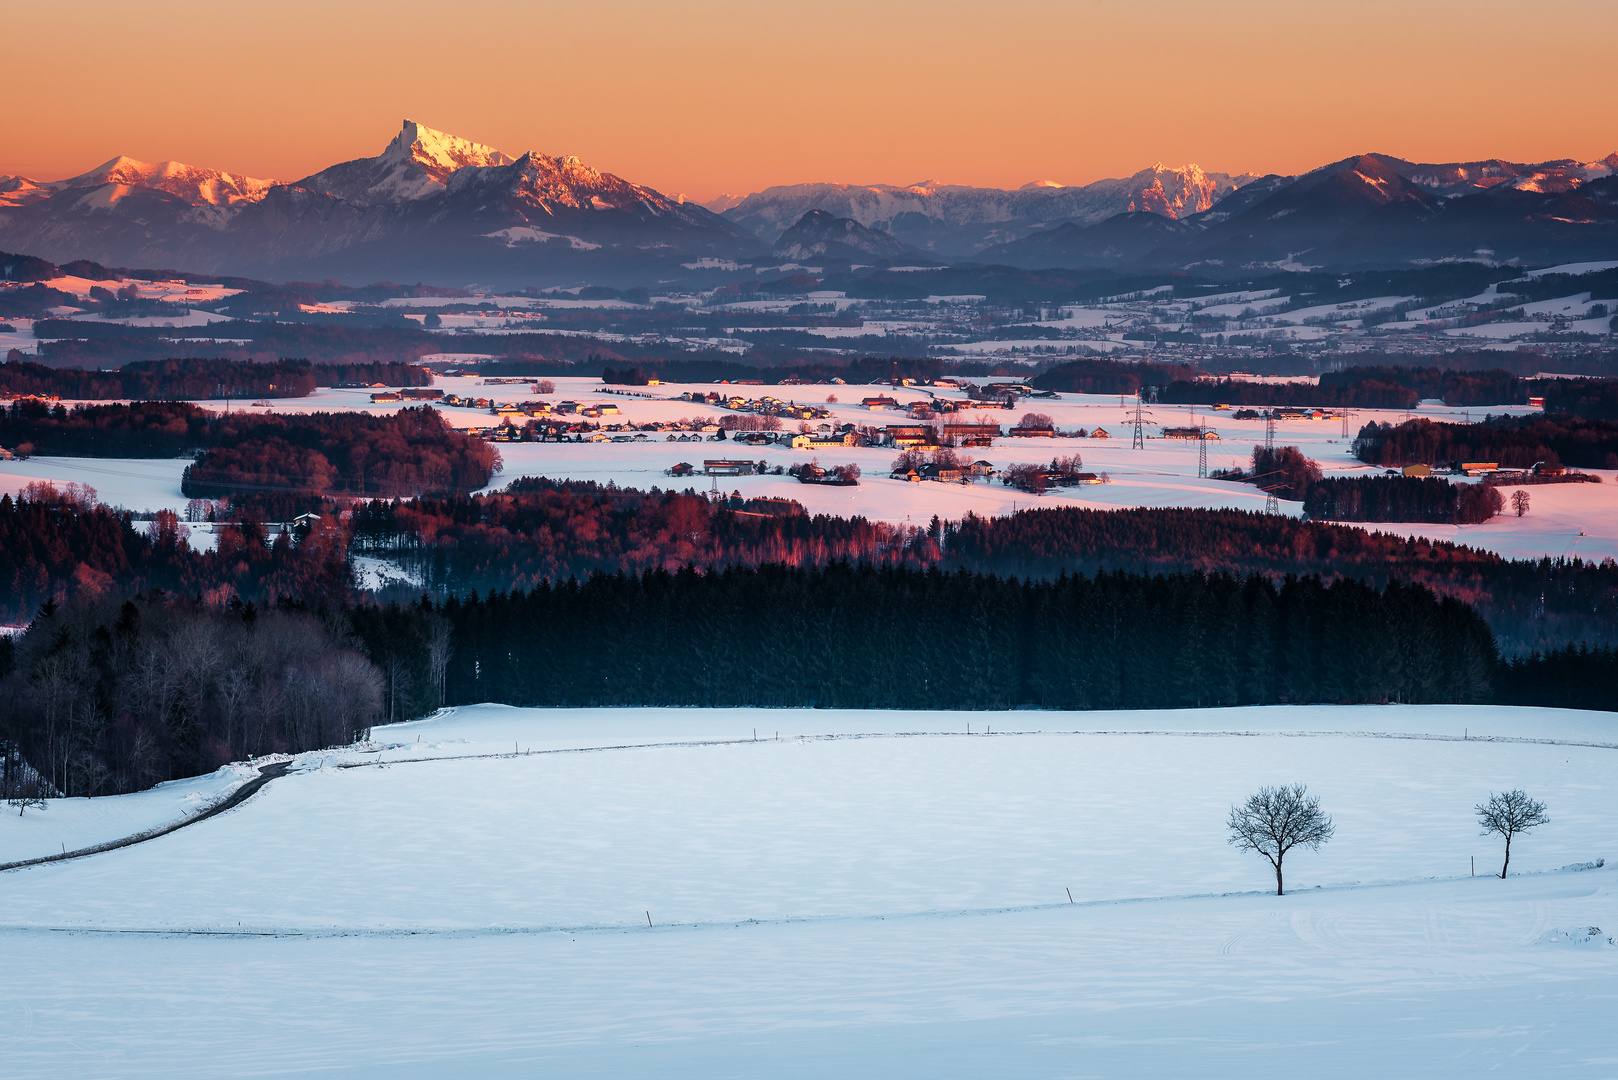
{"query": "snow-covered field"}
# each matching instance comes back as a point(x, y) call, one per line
point(72, 824)
point(1563, 519)
point(871, 894)
point(132, 483)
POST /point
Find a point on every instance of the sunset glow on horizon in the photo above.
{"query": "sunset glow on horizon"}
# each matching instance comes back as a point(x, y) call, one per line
point(705, 98)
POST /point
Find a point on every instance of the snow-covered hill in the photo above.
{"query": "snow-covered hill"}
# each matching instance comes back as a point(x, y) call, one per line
point(653, 892)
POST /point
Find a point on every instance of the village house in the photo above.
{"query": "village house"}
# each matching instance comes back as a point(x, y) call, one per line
point(972, 434)
point(822, 440)
point(906, 436)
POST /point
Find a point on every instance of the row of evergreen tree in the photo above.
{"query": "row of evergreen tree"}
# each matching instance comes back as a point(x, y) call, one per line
point(851, 636)
point(1514, 442)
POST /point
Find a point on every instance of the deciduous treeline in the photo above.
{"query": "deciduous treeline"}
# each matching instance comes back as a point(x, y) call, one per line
point(59, 545)
point(538, 530)
point(198, 379)
point(411, 452)
point(1401, 498)
point(106, 696)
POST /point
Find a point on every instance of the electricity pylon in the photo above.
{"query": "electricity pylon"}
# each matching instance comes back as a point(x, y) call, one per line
point(1271, 504)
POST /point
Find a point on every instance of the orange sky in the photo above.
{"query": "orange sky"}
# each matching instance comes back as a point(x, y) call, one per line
point(707, 97)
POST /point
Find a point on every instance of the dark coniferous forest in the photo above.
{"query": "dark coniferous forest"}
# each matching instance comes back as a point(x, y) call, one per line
point(897, 637)
point(1513, 442)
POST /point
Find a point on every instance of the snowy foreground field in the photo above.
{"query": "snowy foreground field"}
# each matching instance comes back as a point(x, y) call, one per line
point(868, 895)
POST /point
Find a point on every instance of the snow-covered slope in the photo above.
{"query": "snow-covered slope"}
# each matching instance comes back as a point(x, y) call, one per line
point(652, 892)
point(20, 191)
point(116, 179)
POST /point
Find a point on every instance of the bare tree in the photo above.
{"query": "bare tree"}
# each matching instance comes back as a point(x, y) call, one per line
point(440, 645)
point(1276, 820)
point(1508, 814)
point(1519, 501)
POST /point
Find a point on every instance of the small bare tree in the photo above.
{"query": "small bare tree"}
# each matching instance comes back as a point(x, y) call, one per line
point(1276, 820)
point(1519, 501)
point(1508, 814)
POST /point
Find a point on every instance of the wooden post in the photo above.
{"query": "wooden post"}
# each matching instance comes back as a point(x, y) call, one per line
point(648, 919)
point(1070, 896)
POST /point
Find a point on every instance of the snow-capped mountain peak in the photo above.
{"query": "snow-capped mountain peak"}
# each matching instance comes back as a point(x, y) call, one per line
point(20, 191)
point(415, 165)
point(194, 185)
point(439, 151)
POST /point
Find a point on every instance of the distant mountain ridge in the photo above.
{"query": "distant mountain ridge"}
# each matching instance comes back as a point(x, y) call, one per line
point(444, 210)
point(957, 221)
point(1367, 210)
point(431, 207)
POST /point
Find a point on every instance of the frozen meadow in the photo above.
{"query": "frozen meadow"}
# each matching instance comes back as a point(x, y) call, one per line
point(508, 892)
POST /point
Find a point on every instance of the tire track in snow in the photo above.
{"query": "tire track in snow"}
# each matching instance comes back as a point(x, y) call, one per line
point(1322, 932)
point(230, 802)
point(851, 736)
point(1241, 935)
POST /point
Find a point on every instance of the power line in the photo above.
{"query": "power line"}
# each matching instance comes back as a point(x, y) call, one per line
point(1271, 504)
